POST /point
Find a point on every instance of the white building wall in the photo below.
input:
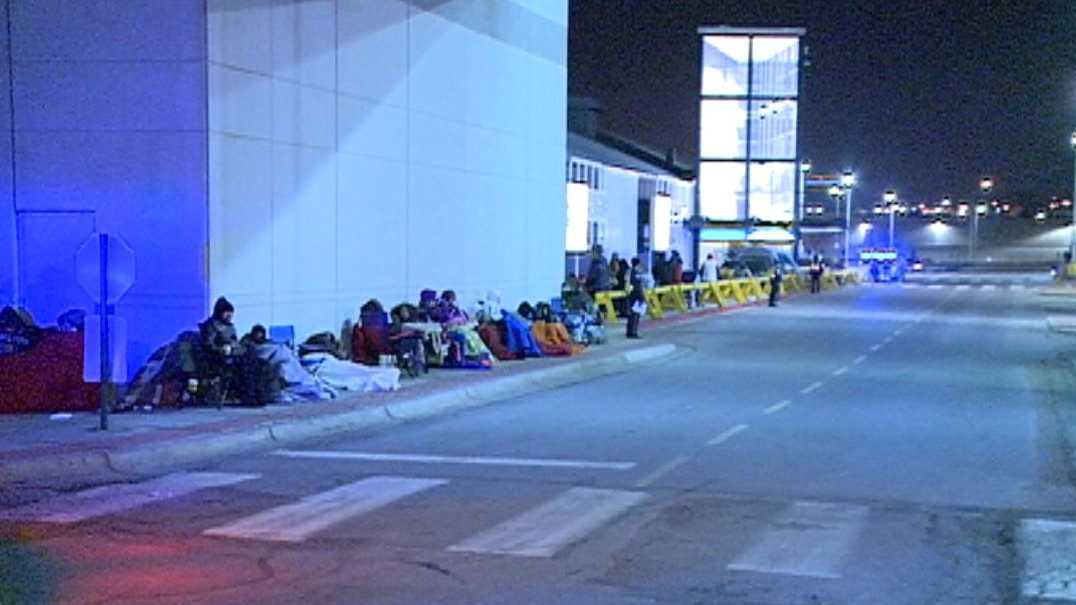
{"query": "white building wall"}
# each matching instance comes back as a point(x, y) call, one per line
point(109, 130)
point(372, 149)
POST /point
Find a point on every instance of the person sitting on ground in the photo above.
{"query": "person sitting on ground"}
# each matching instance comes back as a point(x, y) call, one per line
point(256, 336)
point(448, 311)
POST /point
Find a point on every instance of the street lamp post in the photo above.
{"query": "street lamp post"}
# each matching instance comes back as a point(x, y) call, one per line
point(1072, 240)
point(805, 169)
point(848, 182)
point(890, 198)
point(986, 185)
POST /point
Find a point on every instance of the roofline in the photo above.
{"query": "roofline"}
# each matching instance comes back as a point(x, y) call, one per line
point(754, 31)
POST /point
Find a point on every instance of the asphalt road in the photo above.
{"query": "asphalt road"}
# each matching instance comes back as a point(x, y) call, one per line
point(884, 444)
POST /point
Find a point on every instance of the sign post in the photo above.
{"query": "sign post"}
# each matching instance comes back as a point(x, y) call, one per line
point(105, 268)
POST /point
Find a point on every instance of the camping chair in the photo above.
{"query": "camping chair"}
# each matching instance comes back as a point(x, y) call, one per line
point(284, 335)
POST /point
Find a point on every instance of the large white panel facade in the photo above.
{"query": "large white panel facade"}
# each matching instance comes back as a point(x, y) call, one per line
point(385, 147)
point(109, 134)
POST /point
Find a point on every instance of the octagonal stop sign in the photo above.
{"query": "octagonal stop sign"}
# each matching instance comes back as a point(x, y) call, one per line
point(119, 266)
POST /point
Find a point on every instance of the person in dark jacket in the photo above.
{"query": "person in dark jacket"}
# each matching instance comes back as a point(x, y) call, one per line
point(775, 285)
point(239, 369)
point(676, 268)
point(598, 274)
point(636, 298)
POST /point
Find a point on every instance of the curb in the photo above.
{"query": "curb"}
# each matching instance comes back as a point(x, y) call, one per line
point(169, 451)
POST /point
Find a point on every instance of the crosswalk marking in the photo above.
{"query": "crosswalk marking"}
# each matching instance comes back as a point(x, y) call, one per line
point(1049, 559)
point(545, 530)
point(433, 459)
point(297, 522)
point(809, 539)
point(116, 498)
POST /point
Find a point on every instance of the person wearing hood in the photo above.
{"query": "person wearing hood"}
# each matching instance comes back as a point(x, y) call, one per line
point(218, 332)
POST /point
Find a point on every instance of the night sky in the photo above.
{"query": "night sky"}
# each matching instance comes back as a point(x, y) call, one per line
point(922, 96)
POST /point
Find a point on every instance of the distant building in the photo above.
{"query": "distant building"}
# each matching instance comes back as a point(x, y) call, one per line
point(625, 183)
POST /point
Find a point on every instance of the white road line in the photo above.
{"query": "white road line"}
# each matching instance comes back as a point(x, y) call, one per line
point(812, 388)
point(935, 286)
point(859, 360)
point(988, 287)
point(661, 471)
point(777, 407)
point(297, 522)
point(963, 287)
point(1049, 560)
point(116, 498)
point(876, 347)
point(809, 539)
point(542, 531)
point(729, 434)
point(888, 339)
point(897, 332)
point(433, 459)
point(840, 371)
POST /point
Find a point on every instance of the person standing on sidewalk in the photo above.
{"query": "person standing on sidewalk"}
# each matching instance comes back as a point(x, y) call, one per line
point(816, 274)
point(636, 298)
point(775, 285)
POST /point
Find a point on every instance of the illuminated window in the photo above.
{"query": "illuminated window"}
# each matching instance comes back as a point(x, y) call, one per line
point(722, 191)
point(725, 65)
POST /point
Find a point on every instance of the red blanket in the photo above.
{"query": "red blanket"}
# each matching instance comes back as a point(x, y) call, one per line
point(47, 378)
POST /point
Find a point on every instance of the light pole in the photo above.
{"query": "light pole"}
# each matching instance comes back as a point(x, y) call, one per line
point(1072, 240)
point(890, 199)
point(805, 169)
point(986, 185)
point(848, 182)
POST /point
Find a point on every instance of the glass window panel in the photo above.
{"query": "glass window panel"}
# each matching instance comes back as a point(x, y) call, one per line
point(776, 66)
point(722, 191)
point(724, 65)
point(773, 190)
point(723, 130)
point(773, 130)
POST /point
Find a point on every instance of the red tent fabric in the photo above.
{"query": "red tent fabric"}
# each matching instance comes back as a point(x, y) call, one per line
point(47, 378)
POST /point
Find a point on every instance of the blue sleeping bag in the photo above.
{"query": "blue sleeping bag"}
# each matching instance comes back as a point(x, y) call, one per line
point(518, 337)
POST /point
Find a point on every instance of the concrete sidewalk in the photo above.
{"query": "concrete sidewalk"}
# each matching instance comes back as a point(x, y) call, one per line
point(38, 447)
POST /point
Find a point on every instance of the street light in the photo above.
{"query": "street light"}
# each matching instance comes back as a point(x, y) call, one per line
point(1072, 240)
point(805, 169)
point(890, 198)
point(986, 185)
point(848, 183)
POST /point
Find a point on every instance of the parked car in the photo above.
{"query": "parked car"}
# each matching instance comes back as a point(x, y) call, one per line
point(763, 260)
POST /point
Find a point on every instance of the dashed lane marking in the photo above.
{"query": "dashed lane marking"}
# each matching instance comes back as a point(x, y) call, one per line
point(729, 434)
point(777, 407)
point(840, 371)
point(877, 348)
point(859, 360)
point(812, 388)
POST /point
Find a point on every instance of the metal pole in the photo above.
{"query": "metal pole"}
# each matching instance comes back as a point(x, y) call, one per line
point(847, 226)
point(974, 233)
point(1072, 243)
point(892, 223)
point(799, 211)
point(106, 361)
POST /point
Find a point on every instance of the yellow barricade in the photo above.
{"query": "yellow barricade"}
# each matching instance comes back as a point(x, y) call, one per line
point(605, 303)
